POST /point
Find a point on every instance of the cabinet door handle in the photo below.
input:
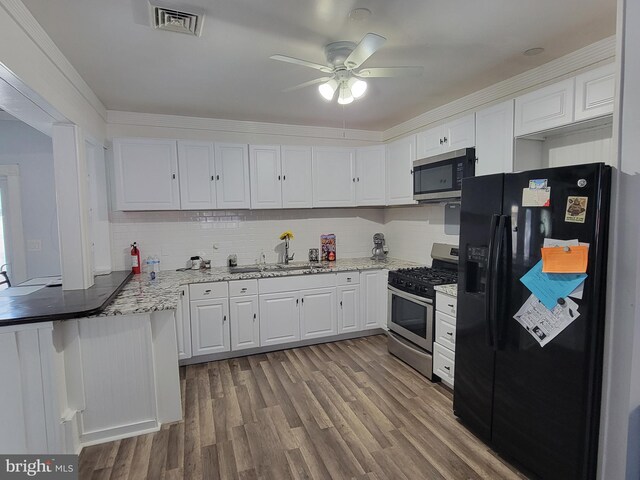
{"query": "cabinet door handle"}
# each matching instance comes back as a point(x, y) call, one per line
point(284, 177)
point(173, 176)
point(358, 179)
point(354, 179)
point(278, 177)
point(224, 319)
point(441, 141)
point(297, 301)
point(411, 172)
point(303, 300)
point(254, 317)
point(445, 139)
point(182, 293)
point(340, 303)
point(217, 177)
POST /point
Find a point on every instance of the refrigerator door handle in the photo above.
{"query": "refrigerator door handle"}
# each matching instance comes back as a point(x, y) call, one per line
point(488, 293)
point(503, 257)
point(496, 283)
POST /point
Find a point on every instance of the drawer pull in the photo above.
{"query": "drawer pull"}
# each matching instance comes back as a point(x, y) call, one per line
point(243, 289)
point(207, 291)
point(450, 334)
point(447, 368)
point(450, 305)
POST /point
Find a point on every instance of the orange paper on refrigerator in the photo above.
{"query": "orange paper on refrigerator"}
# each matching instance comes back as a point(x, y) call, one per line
point(565, 259)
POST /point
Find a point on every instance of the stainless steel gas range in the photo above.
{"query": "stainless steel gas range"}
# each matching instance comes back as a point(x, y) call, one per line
point(411, 314)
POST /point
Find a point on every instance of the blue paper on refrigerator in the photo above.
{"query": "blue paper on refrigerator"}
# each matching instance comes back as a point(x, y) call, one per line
point(549, 287)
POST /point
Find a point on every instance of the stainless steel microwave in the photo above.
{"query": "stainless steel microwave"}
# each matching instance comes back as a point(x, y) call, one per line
point(440, 177)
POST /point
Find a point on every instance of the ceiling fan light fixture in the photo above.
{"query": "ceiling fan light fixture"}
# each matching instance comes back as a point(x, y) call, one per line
point(358, 87)
point(328, 89)
point(345, 96)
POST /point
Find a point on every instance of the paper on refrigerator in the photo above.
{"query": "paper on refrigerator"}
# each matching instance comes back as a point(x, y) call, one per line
point(544, 324)
point(553, 242)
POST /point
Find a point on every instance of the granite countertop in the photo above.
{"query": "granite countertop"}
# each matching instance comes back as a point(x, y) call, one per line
point(451, 289)
point(141, 295)
point(53, 303)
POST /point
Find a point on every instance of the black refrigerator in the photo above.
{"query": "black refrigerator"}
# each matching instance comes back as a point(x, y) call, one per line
point(537, 406)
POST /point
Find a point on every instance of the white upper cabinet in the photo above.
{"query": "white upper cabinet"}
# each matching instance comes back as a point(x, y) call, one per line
point(453, 135)
point(146, 174)
point(334, 179)
point(297, 185)
point(400, 157)
point(370, 175)
point(197, 175)
point(595, 92)
point(266, 176)
point(494, 139)
point(547, 108)
point(232, 175)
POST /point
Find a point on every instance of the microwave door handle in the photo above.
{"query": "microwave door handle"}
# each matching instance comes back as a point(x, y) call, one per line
point(489, 281)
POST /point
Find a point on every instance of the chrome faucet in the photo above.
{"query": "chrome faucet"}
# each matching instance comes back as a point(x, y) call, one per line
point(287, 258)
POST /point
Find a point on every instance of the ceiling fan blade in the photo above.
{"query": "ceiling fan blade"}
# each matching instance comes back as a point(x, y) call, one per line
point(304, 63)
point(390, 72)
point(307, 84)
point(367, 47)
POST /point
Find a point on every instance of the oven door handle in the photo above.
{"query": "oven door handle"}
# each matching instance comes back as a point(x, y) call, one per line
point(409, 296)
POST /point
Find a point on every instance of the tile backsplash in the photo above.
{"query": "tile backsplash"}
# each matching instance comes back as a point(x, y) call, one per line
point(175, 236)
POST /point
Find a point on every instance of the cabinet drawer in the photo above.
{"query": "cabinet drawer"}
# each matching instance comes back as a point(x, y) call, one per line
point(240, 288)
point(443, 363)
point(200, 291)
point(446, 330)
point(348, 278)
point(446, 303)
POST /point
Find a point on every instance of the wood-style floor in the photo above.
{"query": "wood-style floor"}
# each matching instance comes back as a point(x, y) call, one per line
point(338, 410)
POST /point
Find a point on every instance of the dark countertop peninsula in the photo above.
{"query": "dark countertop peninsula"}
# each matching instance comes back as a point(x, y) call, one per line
point(53, 303)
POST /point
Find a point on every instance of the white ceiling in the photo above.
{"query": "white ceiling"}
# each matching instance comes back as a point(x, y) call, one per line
point(464, 45)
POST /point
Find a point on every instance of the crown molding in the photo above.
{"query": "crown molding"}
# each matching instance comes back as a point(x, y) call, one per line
point(238, 126)
point(27, 22)
point(597, 53)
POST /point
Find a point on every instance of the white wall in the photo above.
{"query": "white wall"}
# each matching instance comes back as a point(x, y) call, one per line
point(176, 236)
point(620, 423)
point(589, 146)
point(33, 152)
point(411, 231)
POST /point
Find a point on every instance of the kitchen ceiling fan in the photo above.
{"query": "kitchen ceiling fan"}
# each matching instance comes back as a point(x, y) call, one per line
point(343, 69)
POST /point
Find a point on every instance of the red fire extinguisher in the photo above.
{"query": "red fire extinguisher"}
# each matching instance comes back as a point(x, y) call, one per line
point(135, 258)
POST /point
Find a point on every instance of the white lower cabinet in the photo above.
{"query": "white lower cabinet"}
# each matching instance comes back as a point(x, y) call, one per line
point(183, 325)
point(349, 319)
point(373, 284)
point(444, 345)
point(245, 324)
point(279, 318)
point(318, 316)
point(210, 331)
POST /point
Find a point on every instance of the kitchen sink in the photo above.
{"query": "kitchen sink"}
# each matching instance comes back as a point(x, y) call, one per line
point(277, 267)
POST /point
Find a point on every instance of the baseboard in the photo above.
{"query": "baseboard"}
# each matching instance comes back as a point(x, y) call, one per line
point(283, 346)
point(118, 433)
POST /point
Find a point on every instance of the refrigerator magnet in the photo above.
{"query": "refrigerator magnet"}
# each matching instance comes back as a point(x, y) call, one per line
point(538, 183)
point(536, 197)
point(576, 209)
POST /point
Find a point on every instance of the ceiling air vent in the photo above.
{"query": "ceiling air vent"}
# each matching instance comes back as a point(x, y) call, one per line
point(164, 18)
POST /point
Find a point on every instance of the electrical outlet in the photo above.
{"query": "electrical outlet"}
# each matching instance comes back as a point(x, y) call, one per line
point(34, 245)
